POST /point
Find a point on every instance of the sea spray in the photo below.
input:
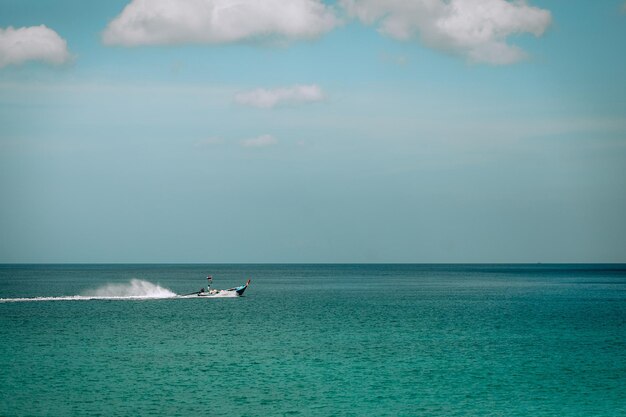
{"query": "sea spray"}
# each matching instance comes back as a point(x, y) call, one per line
point(136, 288)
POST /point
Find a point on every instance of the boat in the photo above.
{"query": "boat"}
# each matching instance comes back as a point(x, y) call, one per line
point(236, 291)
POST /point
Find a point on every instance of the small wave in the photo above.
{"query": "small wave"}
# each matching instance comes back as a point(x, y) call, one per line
point(136, 289)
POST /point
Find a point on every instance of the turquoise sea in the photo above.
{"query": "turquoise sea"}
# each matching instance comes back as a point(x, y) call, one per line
point(313, 340)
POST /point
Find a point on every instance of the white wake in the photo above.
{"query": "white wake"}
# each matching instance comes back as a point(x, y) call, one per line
point(136, 289)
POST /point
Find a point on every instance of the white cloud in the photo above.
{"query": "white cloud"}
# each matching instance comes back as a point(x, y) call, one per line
point(210, 141)
point(395, 59)
point(475, 29)
point(262, 141)
point(35, 43)
point(265, 99)
point(166, 22)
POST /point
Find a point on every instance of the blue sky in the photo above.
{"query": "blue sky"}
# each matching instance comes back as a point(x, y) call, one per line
point(396, 131)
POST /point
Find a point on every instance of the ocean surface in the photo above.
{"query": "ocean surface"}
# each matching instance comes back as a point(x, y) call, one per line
point(313, 340)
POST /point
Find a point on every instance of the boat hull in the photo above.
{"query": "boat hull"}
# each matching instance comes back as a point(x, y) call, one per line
point(218, 293)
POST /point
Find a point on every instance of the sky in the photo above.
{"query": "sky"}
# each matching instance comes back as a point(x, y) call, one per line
point(250, 131)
